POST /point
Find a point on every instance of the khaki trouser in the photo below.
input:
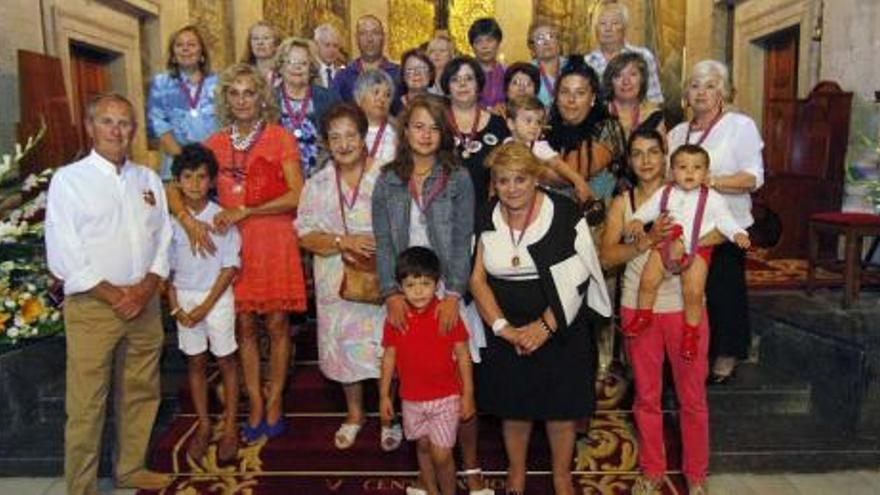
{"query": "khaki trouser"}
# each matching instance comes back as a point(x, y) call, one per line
point(95, 338)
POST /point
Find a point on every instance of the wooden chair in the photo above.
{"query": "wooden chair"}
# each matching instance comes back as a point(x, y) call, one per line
point(804, 156)
point(854, 227)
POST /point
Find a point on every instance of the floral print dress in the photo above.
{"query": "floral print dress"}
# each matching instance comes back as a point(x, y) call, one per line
point(349, 333)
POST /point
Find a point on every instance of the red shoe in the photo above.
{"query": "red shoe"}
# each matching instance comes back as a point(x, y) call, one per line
point(640, 323)
point(690, 342)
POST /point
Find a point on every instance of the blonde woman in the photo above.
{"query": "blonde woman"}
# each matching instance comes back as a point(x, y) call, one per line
point(262, 44)
point(258, 185)
point(301, 99)
point(534, 256)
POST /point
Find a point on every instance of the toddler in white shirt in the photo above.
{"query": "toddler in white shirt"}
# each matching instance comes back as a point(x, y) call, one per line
point(525, 118)
point(695, 210)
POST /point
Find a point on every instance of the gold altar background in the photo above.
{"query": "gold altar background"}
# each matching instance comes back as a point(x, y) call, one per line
point(660, 25)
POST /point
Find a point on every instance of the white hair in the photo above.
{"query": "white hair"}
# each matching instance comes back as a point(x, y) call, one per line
point(325, 30)
point(369, 79)
point(711, 69)
point(614, 8)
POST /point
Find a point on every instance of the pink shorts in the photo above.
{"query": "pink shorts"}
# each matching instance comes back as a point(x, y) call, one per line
point(436, 419)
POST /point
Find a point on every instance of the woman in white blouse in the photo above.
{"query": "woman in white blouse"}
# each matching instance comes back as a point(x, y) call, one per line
point(374, 92)
point(736, 169)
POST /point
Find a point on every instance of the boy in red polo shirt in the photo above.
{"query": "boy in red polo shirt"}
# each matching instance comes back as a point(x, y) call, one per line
point(436, 386)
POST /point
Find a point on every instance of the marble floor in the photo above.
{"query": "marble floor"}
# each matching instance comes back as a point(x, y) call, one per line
point(848, 482)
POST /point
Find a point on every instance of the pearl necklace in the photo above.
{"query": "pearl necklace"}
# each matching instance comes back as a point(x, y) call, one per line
point(240, 143)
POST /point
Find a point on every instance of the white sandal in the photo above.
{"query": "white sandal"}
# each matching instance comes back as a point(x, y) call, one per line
point(346, 435)
point(476, 472)
point(390, 438)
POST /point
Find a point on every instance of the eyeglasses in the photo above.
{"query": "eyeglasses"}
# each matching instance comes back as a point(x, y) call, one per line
point(466, 79)
point(414, 71)
point(544, 38)
point(522, 82)
point(264, 39)
point(297, 64)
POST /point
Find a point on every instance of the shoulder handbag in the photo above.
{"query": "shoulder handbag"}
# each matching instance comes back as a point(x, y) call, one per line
point(593, 208)
point(360, 280)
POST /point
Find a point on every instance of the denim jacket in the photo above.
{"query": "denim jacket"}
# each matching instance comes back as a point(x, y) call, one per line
point(450, 222)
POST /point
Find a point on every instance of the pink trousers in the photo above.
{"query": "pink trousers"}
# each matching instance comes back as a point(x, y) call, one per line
point(662, 340)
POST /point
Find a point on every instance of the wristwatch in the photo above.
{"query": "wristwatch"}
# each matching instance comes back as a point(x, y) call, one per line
point(498, 325)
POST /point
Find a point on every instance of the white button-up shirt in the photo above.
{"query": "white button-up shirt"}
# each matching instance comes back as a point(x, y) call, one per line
point(598, 62)
point(106, 226)
point(197, 272)
point(734, 145)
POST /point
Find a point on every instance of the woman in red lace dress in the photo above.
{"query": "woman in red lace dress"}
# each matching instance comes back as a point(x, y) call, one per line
point(258, 187)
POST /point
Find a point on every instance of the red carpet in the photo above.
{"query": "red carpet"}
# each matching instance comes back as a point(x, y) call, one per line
point(304, 461)
point(774, 274)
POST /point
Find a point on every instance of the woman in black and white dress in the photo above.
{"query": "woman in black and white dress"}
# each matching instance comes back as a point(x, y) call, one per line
point(534, 270)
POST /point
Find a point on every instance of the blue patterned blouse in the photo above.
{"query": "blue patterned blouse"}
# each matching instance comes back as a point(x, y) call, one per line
point(306, 133)
point(168, 110)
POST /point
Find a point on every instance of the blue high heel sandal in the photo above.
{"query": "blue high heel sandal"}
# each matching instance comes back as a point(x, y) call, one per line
point(253, 433)
point(275, 430)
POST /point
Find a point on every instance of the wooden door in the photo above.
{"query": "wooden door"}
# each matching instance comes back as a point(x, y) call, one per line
point(43, 98)
point(90, 76)
point(780, 90)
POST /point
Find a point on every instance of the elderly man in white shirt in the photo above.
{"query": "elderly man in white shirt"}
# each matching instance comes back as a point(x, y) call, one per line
point(107, 238)
point(610, 26)
point(329, 57)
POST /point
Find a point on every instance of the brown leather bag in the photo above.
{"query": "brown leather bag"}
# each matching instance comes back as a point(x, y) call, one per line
point(360, 280)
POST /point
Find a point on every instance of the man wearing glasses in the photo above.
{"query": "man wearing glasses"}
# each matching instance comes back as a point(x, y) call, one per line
point(544, 44)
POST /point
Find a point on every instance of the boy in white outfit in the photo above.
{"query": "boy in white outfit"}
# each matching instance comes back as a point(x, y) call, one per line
point(526, 118)
point(201, 300)
point(695, 210)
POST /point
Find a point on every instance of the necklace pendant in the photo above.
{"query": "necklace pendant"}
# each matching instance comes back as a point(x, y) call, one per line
point(515, 261)
point(298, 133)
point(465, 154)
point(194, 112)
point(237, 188)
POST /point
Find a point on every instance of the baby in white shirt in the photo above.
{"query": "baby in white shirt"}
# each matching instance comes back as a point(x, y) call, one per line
point(525, 119)
point(695, 210)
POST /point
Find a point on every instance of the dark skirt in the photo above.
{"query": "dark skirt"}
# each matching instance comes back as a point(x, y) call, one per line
point(727, 303)
point(556, 382)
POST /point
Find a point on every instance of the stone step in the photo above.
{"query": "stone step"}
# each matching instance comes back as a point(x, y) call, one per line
point(757, 390)
point(787, 443)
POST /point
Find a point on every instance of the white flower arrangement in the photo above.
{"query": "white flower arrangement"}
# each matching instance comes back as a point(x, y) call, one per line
point(27, 306)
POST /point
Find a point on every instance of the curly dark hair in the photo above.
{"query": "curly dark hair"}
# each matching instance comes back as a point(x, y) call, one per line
point(191, 157)
point(345, 110)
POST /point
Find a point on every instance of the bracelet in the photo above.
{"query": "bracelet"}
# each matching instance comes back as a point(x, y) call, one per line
point(545, 326)
point(175, 311)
